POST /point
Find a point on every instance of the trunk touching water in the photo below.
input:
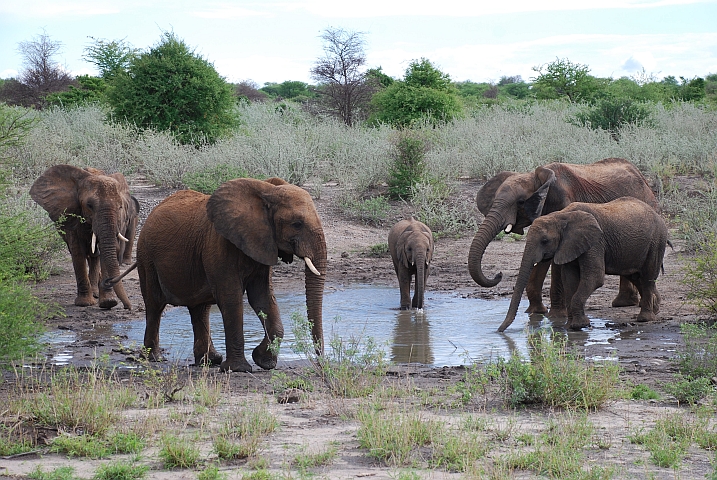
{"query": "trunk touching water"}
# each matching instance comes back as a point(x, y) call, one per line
point(526, 266)
point(315, 294)
point(107, 241)
point(420, 277)
point(487, 231)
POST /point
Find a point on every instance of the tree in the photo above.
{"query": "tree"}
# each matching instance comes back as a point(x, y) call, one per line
point(111, 57)
point(562, 78)
point(42, 74)
point(89, 90)
point(172, 88)
point(424, 93)
point(342, 86)
point(249, 91)
point(289, 89)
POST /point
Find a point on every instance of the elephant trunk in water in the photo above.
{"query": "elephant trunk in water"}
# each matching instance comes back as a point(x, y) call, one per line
point(107, 237)
point(420, 278)
point(526, 266)
point(315, 291)
point(487, 231)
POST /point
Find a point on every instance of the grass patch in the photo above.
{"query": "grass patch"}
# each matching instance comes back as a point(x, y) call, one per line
point(178, 452)
point(643, 392)
point(243, 431)
point(372, 211)
point(121, 470)
point(306, 460)
point(60, 473)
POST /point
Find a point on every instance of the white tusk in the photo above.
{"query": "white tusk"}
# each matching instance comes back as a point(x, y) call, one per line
point(94, 242)
point(508, 228)
point(311, 266)
point(121, 237)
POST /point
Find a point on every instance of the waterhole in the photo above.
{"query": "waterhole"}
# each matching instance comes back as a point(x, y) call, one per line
point(451, 330)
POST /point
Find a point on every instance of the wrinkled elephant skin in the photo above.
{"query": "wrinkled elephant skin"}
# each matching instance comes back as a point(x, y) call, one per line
point(410, 243)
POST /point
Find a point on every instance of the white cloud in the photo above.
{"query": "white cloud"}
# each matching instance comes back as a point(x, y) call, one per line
point(227, 11)
point(8, 73)
point(52, 9)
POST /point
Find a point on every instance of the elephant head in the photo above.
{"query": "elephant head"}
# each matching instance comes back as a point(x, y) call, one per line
point(98, 218)
point(273, 219)
point(509, 201)
point(561, 237)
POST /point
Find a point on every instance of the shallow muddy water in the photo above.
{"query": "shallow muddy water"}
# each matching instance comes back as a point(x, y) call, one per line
point(451, 330)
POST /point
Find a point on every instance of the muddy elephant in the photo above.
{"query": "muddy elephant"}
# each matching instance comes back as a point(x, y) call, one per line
point(98, 222)
point(411, 245)
point(198, 250)
point(511, 201)
point(623, 237)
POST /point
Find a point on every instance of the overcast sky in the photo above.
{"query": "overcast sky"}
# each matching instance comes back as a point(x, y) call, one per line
point(274, 41)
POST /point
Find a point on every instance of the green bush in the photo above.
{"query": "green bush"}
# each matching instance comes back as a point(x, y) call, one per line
point(611, 114)
point(207, 181)
point(687, 389)
point(698, 357)
point(700, 275)
point(408, 167)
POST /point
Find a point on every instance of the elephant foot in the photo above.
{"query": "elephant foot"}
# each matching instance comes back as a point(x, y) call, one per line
point(263, 358)
point(537, 308)
point(108, 303)
point(211, 358)
point(626, 300)
point(646, 316)
point(152, 354)
point(84, 300)
point(557, 313)
point(578, 322)
point(237, 365)
point(405, 307)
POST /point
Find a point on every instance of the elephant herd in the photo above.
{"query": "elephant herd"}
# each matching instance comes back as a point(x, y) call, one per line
point(198, 250)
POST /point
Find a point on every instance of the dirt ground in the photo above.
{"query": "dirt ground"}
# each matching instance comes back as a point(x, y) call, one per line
point(644, 349)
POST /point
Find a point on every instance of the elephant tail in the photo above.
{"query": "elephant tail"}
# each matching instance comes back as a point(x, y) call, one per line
point(110, 282)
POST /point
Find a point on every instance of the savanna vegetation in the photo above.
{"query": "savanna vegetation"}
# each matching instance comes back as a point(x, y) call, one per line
point(364, 140)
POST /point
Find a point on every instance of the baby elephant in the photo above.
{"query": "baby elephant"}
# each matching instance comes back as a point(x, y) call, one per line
point(411, 245)
point(622, 237)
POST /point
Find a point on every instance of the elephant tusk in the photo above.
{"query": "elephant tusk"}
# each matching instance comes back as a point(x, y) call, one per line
point(508, 228)
point(94, 243)
point(122, 237)
point(311, 266)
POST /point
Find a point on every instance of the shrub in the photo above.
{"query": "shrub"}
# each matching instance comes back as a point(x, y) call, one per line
point(698, 358)
point(611, 114)
point(687, 389)
point(208, 180)
point(700, 275)
point(408, 167)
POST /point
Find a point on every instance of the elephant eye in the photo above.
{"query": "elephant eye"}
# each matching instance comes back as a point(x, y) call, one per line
point(297, 224)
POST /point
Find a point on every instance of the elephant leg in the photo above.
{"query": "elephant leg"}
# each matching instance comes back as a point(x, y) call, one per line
point(649, 301)
point(534, 289)
point(154, 303)
point(558, 298)
point(204, 351)
point(586, 277)
point(404, 283)
point(94, 275)
point(79, 265)
point(262, 301)
point(628, 295)
point(232, 309)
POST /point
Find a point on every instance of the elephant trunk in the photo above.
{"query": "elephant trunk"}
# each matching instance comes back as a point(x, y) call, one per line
point(420, 279)
point(107, 240)
point(492, 224)
point(526, 266)
point(315, 292)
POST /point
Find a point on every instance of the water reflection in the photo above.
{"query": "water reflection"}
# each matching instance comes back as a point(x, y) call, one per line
point(452, 330)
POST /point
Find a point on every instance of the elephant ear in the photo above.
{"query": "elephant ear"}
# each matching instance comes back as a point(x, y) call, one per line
point(486, 194)
point(241, 215)
point(533, 206)
point(401, 247)
point(56, 190)
point(580, 232)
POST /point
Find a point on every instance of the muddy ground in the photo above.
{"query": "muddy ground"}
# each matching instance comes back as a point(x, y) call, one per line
point(644, 350)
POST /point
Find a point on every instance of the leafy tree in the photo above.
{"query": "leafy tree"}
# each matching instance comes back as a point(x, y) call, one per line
point(89, 90)
point(172, 88)
point(111, 57)
point(692, 90)
point(249, 90)
point(563, 78)
point(342, 86)
point(42, 74)
point(424, 93)
point(380, 77)
point(289, 89)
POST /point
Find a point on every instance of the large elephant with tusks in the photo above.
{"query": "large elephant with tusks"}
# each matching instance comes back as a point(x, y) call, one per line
point(511, 201)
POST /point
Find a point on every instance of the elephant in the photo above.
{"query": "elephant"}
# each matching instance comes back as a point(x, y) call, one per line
point(97, 218)
point(197, 250)
point(411, 245)
point(624, 237)
point(511, 201)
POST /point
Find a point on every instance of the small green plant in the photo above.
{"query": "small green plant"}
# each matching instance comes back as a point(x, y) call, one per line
point(211, 472)
point(126, 442)
point(372, 211)
point(378, 250)
point(176, 452)
point(457, 451)
point(669, 440)
point(209, 179)
point(60, 473)
point(698, 357)
point(121, 470)
point(643, 392)
point(80, 446)
point(307, 460)
point(241, 434)
point(408, 166)
point(12, 443)
point(687, 389)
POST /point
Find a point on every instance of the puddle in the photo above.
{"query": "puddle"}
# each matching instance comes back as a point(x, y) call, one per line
point(451, 330)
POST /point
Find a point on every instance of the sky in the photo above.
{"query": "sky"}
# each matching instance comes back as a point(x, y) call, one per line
point(481, 41)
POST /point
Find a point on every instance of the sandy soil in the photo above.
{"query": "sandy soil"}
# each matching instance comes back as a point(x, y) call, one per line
point(644, 351)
